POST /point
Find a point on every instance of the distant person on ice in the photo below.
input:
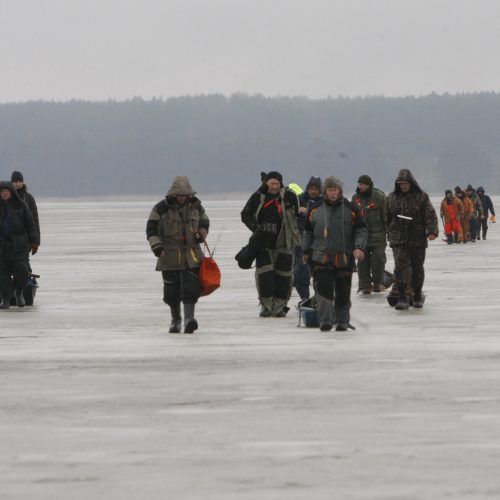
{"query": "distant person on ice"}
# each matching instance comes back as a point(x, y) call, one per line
point(302, 274)
point(411, 221)
point(334, 237)
point(452, 213)
point(487, 208)
point(272, 213)
point(175, 228)
point(18, 236)
point(17, 180)
point(468, 209)
point(477, 213)
point(372, 205)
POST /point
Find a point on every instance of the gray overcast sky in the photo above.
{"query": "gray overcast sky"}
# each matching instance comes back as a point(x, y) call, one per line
point(100, 49)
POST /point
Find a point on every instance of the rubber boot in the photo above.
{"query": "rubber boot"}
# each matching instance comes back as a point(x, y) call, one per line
point(20, 298)
point(176, 323)
point(325, 313)
point(418, 301)
point(190, 323)
point(455, 238)
point(449, 239)
point(403, 303)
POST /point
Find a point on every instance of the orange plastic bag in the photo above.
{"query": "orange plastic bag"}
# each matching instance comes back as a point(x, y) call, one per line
point(209, 275)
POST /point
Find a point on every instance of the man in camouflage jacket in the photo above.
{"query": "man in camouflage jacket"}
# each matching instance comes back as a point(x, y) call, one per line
point(175, 228)
point(411, 221)
point(372, 204)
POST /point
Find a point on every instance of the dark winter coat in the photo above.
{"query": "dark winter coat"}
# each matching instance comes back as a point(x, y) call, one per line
point(281, 210)
point(332, 232)
point(306, 201)
point(415, 204)
point(486, 203)
point(372, 204)
point(174, 227)
point(476, 203)
point(30, 201)
point(17, 228)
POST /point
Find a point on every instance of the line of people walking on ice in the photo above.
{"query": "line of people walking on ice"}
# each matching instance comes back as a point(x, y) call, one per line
point(318, 234)
point(466, 214)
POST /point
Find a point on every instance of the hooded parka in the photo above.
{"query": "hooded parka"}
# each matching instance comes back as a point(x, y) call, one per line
point(174, 228)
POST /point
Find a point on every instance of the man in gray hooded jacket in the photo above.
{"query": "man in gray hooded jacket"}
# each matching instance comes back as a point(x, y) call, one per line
point(334, 237)
point(175, 228)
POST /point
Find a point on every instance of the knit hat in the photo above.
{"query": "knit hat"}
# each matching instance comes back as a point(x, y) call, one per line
point(447, 191)
point(469, 188)
point(273, 175)
point(458, 189)
point(314, 181)
point(332, 182)
point(16, 177)
point(365, 179)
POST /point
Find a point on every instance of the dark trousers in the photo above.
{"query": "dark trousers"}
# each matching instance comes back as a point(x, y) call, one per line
point(409, 268)
point(181, 286)
point(333, 294)
point(484, 225)
point(13, 266)
point(301, 275)
point(474, 228)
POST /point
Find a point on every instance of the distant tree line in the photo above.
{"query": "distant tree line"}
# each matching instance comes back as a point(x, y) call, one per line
point(81, 148)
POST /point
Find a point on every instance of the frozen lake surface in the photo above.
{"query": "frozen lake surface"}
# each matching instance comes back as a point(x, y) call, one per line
point(99, 401)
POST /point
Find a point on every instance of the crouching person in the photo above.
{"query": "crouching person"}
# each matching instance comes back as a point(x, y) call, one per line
point(18, 235)
point(175, 228)
point(335, 235)
point(271, 214)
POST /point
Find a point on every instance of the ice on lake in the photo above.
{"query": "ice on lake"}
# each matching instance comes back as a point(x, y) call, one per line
point(98, 401)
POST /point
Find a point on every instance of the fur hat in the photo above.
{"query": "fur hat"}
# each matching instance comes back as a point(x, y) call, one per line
point(332, 182)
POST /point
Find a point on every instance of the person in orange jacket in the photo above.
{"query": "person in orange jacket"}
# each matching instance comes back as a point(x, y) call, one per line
point(452, 213)
point(468, 210)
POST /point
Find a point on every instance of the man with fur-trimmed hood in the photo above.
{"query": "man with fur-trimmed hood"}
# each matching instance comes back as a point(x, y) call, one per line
point(18, 236)
point(175, 228)
point(411, 222)
point(271, 214)
point(334, 238)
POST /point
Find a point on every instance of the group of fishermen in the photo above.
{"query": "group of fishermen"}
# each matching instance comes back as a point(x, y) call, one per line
point(19, 235)
point(319, 234)
point(466, 214)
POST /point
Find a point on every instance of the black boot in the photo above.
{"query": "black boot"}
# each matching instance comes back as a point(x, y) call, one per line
point(20, 298)
point(403, 302)
point(449, 239)
point(176, 323)
point(455, 238)
point(5, 304)
point(418, 300)
point(190, 323)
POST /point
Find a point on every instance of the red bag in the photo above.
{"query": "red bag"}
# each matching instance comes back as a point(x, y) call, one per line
point(209, 275)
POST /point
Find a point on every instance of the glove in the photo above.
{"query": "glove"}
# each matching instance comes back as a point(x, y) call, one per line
point(34, 249)
point(158, 251)
point(198, 237)
point(493, 218)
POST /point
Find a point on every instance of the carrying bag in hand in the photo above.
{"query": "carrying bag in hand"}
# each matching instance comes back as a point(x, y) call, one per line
point(209, 275)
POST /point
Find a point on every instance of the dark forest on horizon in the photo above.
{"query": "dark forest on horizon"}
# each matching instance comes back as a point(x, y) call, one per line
point(82, 148)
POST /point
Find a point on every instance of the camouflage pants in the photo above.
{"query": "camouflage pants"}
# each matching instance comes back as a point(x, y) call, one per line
point(409, 268)
point(371, 268)
point(274, 278)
